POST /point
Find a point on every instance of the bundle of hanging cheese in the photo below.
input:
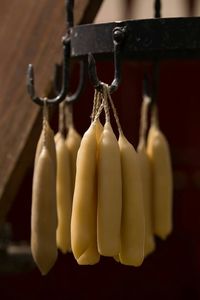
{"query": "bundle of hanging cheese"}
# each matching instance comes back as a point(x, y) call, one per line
point(122, 198)
point(111, 200)
point(52, 192)
point(107, 214)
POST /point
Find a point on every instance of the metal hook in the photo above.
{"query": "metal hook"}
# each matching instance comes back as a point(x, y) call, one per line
point(82, 77)
point(118, 37)
point(69, 6)
point(61, 96)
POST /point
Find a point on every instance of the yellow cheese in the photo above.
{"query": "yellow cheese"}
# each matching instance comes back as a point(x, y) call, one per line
point(49, 141)
point(64, 195)
point(44, 214)
point(73, 140)
point(133, 223)
point(99, 129)
point(145, 171)
point(159, 155)
point(84, 209)
point(109, 193)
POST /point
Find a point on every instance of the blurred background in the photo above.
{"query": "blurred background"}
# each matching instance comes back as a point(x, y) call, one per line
point(30, 32)
point(115, 10)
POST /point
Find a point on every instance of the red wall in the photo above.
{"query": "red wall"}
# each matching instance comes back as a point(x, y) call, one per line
point(173, 271)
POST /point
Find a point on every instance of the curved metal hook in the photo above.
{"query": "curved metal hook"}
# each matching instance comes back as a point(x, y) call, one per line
point(118, 37)
point(70, 99)
point(82, 77)
point(70, 21)
point(61, 96)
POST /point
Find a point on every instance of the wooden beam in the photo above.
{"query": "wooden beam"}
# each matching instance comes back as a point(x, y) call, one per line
point(29, 33)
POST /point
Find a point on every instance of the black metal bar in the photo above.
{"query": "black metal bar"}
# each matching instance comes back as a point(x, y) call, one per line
point(161, 38)
point(69, 4)
point(61, 96)
point(58, 79)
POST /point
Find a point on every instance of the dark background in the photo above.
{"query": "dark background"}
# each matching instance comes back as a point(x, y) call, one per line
point(173, 270)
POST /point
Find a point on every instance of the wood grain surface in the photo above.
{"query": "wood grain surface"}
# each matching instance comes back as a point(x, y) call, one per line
point(30, 32)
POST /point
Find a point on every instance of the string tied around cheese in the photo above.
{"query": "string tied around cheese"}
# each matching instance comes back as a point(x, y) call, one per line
point(94, 108)
point(114, 109)
point(105, 104)
point(101, 102)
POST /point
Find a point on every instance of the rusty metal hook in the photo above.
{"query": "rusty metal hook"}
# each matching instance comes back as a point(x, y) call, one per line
point(65, 78)
point(118, 37)
point(69, 5)
point(82, 77)
point(71, 98)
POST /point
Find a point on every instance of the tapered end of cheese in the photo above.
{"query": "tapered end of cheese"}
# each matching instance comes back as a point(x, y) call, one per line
point(149, 246)
point(99, 129)
point(133, 258)
point(44, 213)
point(50, 144)
point(46, 259)
point(116, 258)
point(89, 257)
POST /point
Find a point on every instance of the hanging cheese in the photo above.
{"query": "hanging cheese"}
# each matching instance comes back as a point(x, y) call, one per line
point(64, 195)
point(133, 223)
point(84, 209)
point(109, 193)
point(44, 214)
point(159, 155)
point(73, 140)
point(49, 142)
point(145, 171)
